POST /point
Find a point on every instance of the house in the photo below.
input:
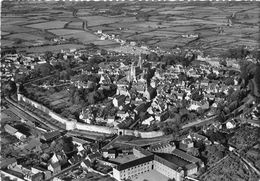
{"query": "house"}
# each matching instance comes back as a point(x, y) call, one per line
point(141, 108)
point(186, 144)
point(39, 169)
point(50, 136)
point(110, 119)
point(34, 177)
point(231, 124)
point(105, 79)
point(162, 116)
point(9, 129)
point(150, 93)
point(110, 153)
point(20, 136)
point(54, 158)
point(204, 83)
point(54, 167)
point(179, 95)
point(148, 121)
point(122, 114)
point(8, 163)
point(74, 159)
point(79, 142)
point(93, 156)
point(119, 100)
point(86, 164)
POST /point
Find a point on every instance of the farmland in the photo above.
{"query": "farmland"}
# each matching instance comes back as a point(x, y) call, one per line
point(154, 24)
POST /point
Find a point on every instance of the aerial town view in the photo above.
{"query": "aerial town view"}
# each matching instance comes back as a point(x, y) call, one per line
point(130, 91)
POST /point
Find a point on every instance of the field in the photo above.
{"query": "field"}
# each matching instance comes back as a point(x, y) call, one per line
point(163, 26)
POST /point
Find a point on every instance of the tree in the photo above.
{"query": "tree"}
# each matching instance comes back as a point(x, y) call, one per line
point(223, 63)
point(213, 153)
point(153, 57)
point(48, 55)
point(9, 88)
point(196, 95)
point(44, 69)
point(257, 78)
point(103, 52)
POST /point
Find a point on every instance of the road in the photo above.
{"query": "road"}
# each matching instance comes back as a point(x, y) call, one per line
point(199, 121)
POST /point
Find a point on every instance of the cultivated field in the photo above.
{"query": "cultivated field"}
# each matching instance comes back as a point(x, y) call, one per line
point(154, 24)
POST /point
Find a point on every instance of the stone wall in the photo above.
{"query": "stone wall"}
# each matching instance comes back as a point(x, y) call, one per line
point(73, 124)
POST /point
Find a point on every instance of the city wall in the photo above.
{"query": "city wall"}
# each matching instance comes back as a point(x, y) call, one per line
point(73, 124)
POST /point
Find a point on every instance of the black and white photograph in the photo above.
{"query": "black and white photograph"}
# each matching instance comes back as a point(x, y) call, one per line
point(138, 90)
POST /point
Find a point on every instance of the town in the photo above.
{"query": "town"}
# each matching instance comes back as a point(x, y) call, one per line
point(139, 113)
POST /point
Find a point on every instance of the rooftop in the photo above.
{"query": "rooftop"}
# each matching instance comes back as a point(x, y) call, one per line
point(174, 159)
point(135, 162)
point(50, 135)
point(185, 156)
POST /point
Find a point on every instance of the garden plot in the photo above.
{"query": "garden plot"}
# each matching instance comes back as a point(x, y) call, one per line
point(48, 25)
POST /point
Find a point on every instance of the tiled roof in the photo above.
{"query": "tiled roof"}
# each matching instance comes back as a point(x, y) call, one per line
point(10, 129)
point(94, 155)
point(185, 156)
point(179, 162)
point(190, 166)
point(51, 135)
point(135, 162)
